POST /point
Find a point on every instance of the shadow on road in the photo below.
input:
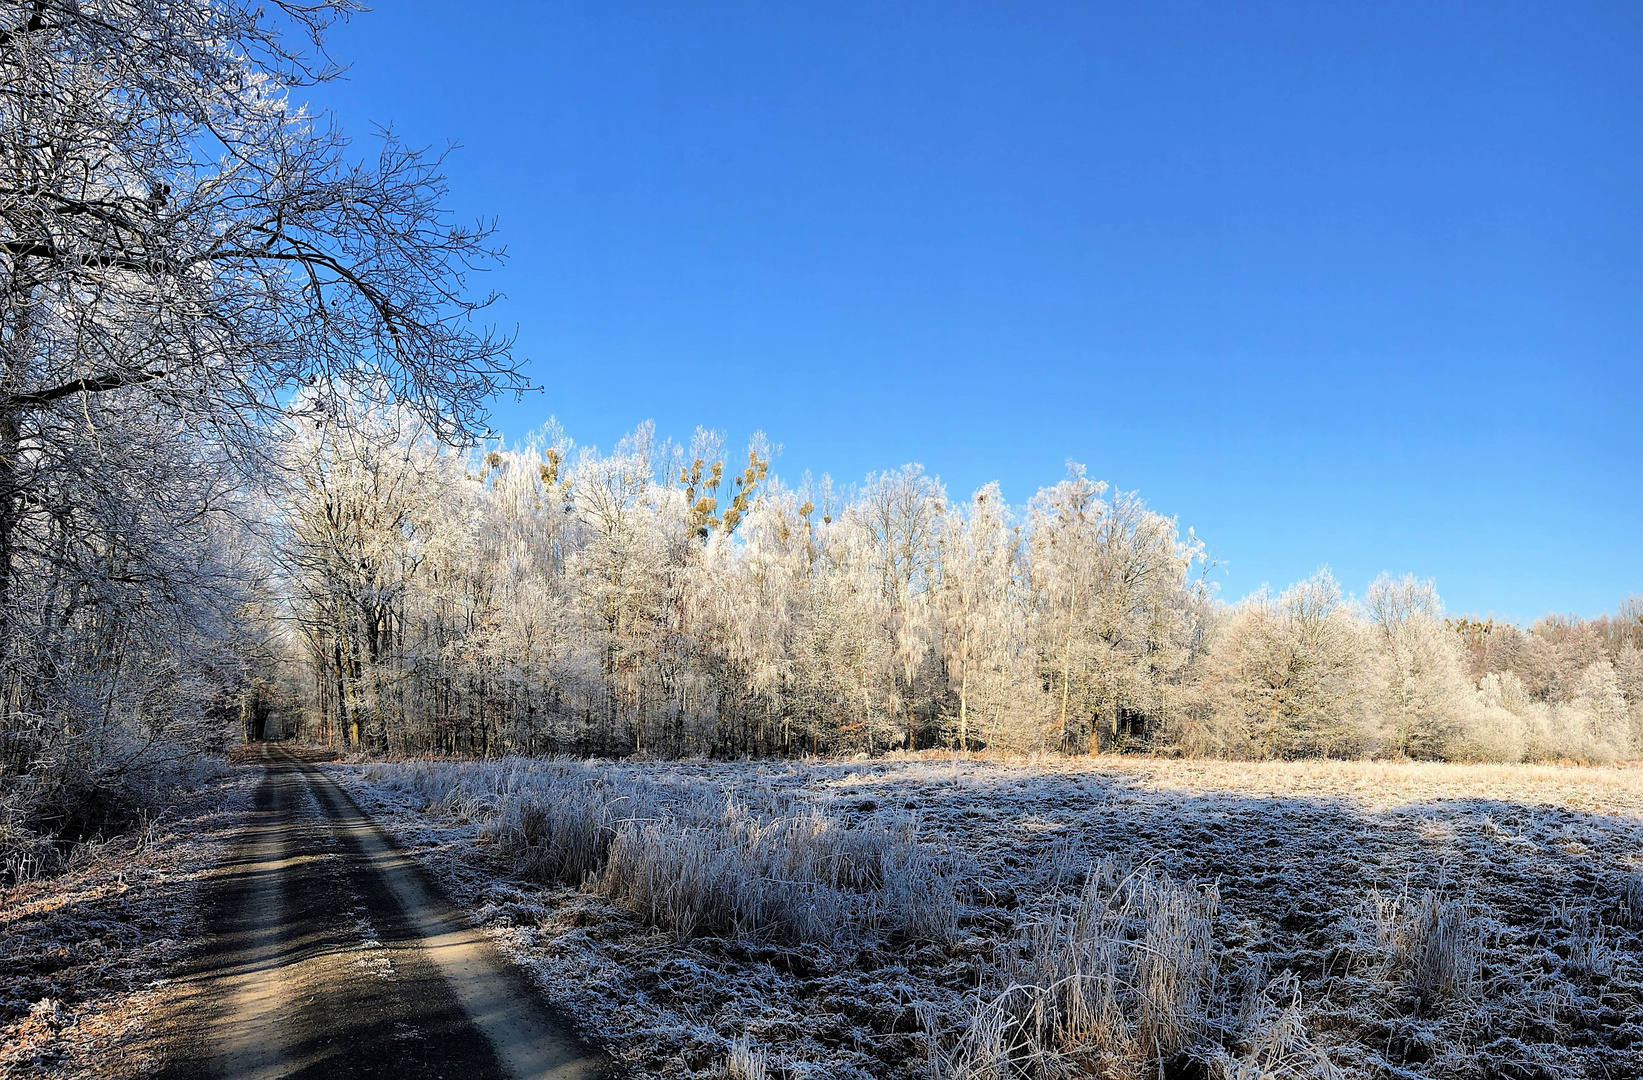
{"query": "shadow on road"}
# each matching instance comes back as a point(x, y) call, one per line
point(332, 956)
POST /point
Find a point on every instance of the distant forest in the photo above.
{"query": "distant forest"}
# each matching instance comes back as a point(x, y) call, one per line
point(676, 600)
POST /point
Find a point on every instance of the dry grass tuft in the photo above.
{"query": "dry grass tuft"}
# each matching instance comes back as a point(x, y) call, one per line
point(1631, 899)
point(1589, 955)
point(746, 1061)
point(1433, 942)
point(1270, 1038)
point(1114, 982)
point(560, 835)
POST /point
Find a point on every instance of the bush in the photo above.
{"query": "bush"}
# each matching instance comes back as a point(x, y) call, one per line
point(64, 785)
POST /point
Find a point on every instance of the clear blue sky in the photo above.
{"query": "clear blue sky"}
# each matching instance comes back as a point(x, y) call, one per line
point(1346, 284)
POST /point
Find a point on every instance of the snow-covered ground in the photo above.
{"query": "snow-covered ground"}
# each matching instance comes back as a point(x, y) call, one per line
point(1438, 921)
point(84, 953)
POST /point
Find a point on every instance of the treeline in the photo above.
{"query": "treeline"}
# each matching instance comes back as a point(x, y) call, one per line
point(673, 600)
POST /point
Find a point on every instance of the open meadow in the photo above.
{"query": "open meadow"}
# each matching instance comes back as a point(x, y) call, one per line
point(1117, 917)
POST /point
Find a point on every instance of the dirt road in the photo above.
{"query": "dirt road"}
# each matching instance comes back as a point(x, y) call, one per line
point(332, 956)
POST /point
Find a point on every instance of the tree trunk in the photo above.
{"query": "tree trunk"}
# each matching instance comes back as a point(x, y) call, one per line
point(1067, 657)
point(10, 518)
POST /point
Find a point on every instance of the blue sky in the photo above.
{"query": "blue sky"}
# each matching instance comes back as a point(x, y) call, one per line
point(1357, 285)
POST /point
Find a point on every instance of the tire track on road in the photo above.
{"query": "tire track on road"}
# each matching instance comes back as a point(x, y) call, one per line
point(333, 955)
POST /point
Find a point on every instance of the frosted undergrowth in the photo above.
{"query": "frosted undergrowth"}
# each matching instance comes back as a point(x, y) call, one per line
point(740, 860)
point(1112, 981)
point(84, 952)
point(1110, 918)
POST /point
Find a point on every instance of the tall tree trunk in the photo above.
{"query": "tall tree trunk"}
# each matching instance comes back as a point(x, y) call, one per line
point(14, 348)
point(10, 518)
point(1067, 657)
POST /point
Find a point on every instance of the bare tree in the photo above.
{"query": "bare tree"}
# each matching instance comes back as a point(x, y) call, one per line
point(173, 224)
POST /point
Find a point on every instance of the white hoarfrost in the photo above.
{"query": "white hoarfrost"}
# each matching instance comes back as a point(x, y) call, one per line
point(1119, 918)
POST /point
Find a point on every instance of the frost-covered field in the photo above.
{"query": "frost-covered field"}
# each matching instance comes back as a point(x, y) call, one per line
point(1114, 917)
point(84, 953)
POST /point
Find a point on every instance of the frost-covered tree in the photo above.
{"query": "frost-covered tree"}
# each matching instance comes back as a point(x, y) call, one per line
point(1417, 690)
point(176, 230)
point(1629, 673)
point(1287, 678)
point(625, 578)
point(370, 497)
point(747, 601)
point(1065, 521)
point(1118, 614)
point(129, 627)
point(1570, 688)
point(851, 662)
point(899, 516)
point(983, 601)
point(1601, 701)
point(183, 247)
point(651, 599)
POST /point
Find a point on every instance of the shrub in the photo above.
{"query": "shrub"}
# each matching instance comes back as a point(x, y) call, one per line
point(83, 789)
